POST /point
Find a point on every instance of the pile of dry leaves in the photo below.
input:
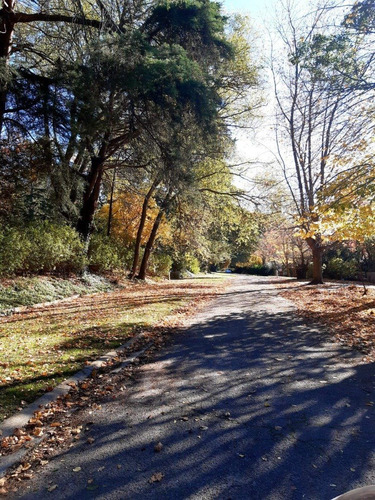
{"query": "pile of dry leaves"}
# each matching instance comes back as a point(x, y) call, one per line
point(343, 308)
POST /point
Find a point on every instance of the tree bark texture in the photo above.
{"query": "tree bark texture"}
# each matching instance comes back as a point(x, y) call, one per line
point(151, 240)
point(141, 227)
point(110, 212)
point(90, 198)
point(149, 246)
point(317, 254)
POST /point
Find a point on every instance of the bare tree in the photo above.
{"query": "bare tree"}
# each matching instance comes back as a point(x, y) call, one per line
point(319, 117)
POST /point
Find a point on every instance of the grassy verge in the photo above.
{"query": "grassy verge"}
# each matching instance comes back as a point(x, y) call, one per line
point(40, 348)
point(29, 291)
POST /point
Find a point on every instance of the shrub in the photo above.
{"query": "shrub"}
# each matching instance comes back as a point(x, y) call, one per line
point(338, 268)
point(183, 263)
point(56, 248)
point(160, 264)
point(42, 247)
point(192, 264)
point(266, 270)
point(107, 254)
point(14, 251)
point(254, 261)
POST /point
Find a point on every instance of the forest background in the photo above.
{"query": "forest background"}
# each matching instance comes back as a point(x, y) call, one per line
point(118, 129)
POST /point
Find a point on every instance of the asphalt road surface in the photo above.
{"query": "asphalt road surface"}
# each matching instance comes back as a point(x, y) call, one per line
point(248, 403)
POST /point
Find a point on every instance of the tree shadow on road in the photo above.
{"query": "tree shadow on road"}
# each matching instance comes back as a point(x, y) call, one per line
point(265, 408)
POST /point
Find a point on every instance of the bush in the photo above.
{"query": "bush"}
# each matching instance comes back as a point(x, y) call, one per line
point(14, 251)
point(42, 247)
point(107, 254)
point(338, 268)
point(182, 264)
point(160, 264)
point(257, 270)
point(192, 264)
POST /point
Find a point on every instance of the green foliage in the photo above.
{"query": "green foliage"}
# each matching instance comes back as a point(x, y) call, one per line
point(160, 264)
point(196, 25)
point(338, 268)
point(41, 247)
point(183, 262)
point(107, 254)
point(257, 270)
point(362, 17)
point(160, 88)
point(192, 264)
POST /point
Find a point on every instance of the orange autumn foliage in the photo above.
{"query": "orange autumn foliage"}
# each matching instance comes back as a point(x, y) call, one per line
point(126, 215)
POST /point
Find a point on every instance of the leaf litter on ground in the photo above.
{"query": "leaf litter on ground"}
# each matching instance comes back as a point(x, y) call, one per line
point(58, 423)
point(343, 308)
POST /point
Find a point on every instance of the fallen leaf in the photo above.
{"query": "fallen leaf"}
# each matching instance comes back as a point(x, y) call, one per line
point(155, 478)
point(77, 469)
point(267, 405)
point(19, 432)
point(52, 488)
point(158, 447)
point(90, 440)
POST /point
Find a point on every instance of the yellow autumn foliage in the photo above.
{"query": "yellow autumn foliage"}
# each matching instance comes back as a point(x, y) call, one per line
point(127, 209)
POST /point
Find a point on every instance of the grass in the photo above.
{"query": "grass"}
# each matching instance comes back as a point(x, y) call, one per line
point(26, 291)
point(39, 348)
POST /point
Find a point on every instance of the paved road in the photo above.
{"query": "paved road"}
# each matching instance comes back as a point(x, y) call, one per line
point(248, 402)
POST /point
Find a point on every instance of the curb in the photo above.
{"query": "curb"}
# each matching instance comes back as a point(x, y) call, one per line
point(21, 419)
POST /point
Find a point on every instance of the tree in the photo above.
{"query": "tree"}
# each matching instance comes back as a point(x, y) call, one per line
point(37, 12)
point(319, 116)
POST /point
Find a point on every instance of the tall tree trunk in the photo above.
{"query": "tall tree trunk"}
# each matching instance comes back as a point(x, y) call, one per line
point(110, 212)
point(141, 227)
point(151, 239)
point(90, 199)
point(317, 254)
point(149, 246)
point(6, 35)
